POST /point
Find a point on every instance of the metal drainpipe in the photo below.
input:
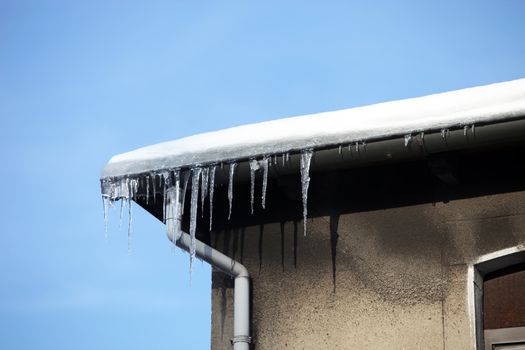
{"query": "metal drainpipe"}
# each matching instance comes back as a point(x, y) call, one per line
point(241, 300)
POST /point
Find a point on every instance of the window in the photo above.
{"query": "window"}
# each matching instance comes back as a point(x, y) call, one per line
point(499, 292)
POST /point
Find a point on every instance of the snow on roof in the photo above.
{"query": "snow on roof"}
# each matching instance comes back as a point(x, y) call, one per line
point(483, 104)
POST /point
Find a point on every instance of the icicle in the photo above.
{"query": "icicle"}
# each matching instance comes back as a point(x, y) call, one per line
point(193, 207)
point(164, 201)
point(132, 190)
point(176, 207)
point(306, 157)
point(419, 138)
point(166, 186)
point(473, 129)
point(165, 175)
point(230, 188)
point(130, 219)
point(284, 160)
point(196, 173)
point(204, 188)
point(115, 190)
point(422, 136)
point(105, 205)
point(153, 177)
point(340, 149)
point(287, 156)
point(212, 187)
point(124, 190)
point(173, 210)
point(107, 188)
point(357, 147)
point(408, 140)
point(264, 165)
point(147, 190)
point(120, 215)
point(184, 190)
point(254, 166)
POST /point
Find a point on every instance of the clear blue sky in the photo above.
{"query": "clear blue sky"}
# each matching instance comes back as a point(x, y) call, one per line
point(82, 81)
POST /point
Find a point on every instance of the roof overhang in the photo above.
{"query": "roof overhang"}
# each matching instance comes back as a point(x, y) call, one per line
point(453, 120)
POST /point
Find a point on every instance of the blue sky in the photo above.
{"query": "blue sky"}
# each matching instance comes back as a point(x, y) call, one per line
point(82, 81)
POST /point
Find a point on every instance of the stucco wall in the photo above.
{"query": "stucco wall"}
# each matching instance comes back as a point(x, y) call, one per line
point(383, 279)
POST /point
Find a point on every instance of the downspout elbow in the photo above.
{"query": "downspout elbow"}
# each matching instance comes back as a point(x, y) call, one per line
point(241, 310)
point(240, 270)
point(205, 252)
point(241, 338)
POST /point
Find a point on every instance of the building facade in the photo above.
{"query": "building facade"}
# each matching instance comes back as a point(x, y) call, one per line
point(399, 225)
point(394, 257)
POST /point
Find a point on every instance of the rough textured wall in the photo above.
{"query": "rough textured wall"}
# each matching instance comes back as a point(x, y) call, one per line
point(384, 279)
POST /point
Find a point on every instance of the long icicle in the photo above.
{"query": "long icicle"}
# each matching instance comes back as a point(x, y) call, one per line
point(177, 210)
point(306, 157)
point(167, 179)
point(193, 212)
point(132, 185)
point(230, 188)
point(173, 210)
point(123, 194)
point(254, 166)
point(204, 188)
point(153, 177)
point(264, 164)
point(130, 219)
point(147, 190)
point(120, 214)
point(105, 205)
point(194, 206)
point(212, 187)
point(185, 189)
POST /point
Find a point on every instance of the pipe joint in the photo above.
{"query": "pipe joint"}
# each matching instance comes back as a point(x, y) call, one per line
point(241, 339)
point(240, 271)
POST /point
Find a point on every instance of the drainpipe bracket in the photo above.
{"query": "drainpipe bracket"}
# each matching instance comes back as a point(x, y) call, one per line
point(241, 339)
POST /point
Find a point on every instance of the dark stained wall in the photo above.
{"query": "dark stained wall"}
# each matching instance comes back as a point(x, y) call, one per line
point(385, 261)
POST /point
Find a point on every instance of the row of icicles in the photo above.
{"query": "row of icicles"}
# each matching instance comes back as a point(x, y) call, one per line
point(203, 181)
point(202, 185)
point(444, 134)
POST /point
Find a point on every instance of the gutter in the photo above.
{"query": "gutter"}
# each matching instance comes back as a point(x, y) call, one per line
point(366, 152)
point(421, 145)
point(241, 305)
